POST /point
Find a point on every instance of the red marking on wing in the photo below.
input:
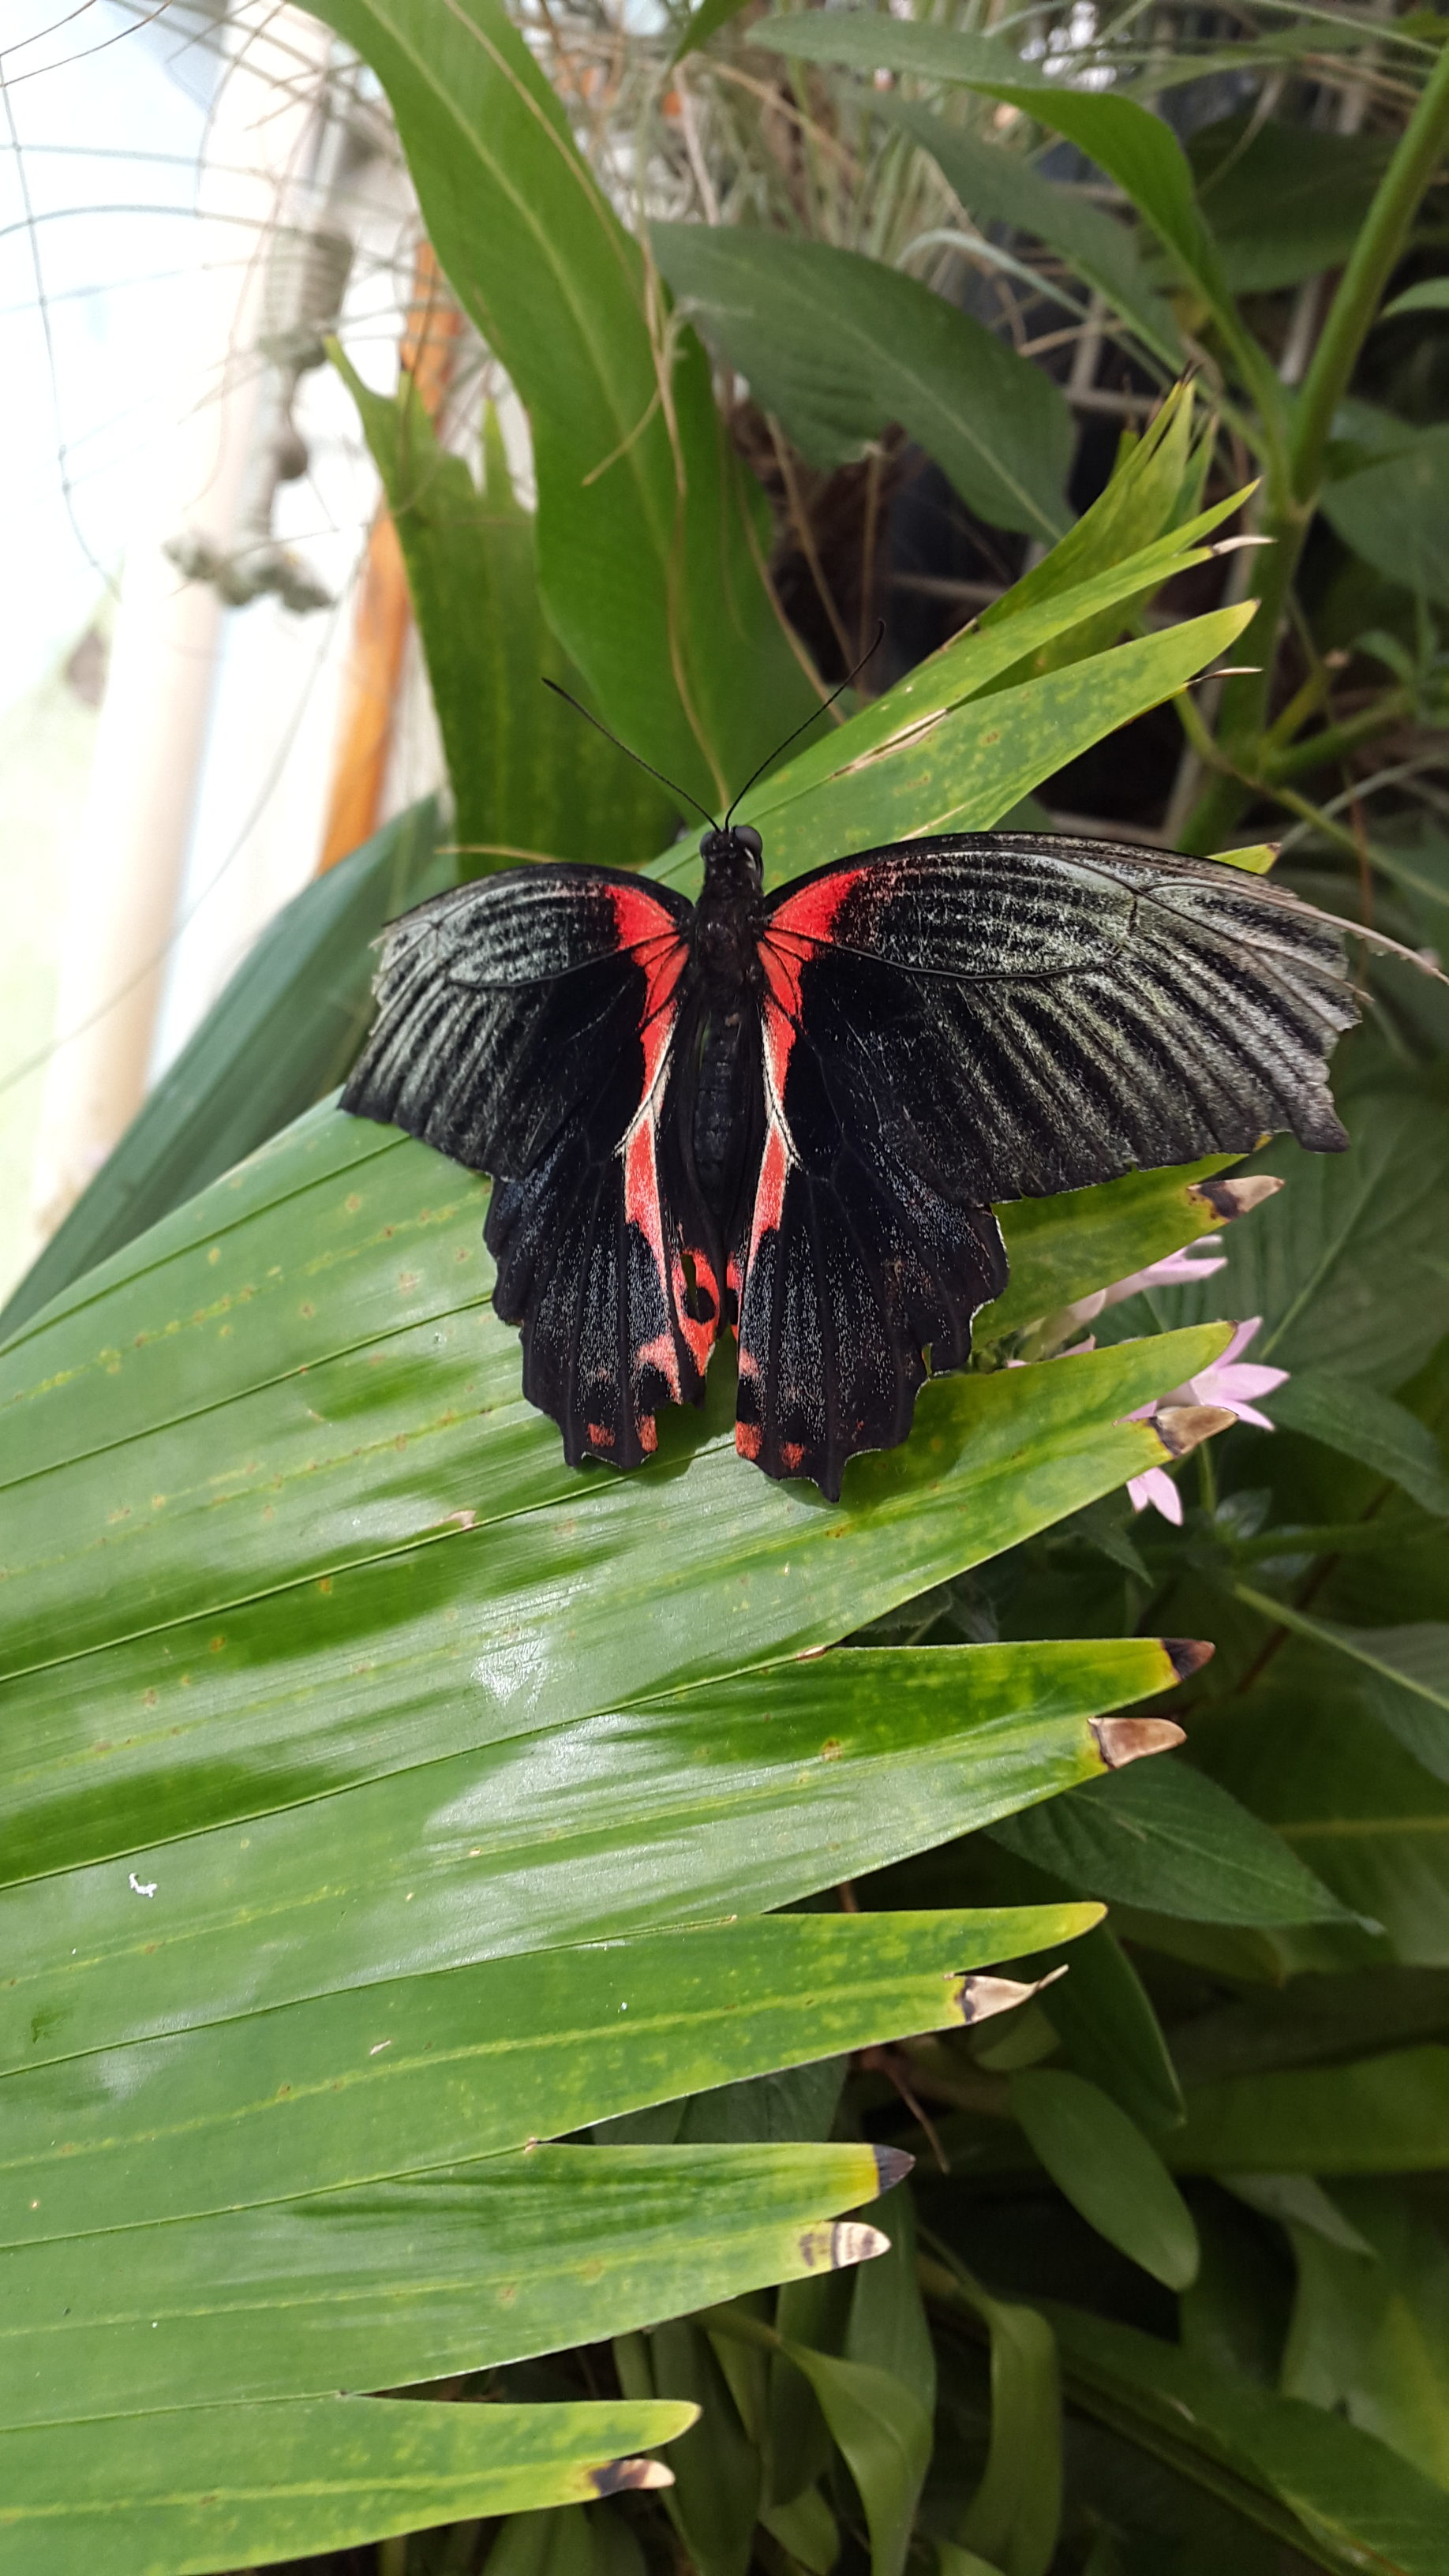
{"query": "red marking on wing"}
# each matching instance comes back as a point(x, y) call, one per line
point(640, 916)
point(644, 926)
point(774, 1173)
point(804, 921)
point(654, 937)
point(812, 913)
point(808, 915)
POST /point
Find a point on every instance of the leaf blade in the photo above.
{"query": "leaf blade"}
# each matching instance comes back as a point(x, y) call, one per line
point(209, 2487)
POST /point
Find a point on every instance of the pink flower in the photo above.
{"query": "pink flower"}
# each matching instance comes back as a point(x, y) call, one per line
point(1158, 1489)
point(1177, 1271)
point(1230, 1382)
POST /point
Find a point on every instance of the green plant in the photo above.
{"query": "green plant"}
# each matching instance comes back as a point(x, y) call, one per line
point(479, 1927)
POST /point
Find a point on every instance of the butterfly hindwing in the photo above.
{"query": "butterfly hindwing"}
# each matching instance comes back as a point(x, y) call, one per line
point(529, 1026)
point(857, 1261)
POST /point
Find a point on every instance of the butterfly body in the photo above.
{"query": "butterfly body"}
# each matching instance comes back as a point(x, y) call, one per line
point(790, 1114)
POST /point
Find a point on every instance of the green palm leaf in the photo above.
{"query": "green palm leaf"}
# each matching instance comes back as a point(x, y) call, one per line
point(146, 2491)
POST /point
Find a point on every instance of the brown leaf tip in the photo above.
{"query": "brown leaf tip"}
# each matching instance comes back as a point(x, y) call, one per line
point(1181, 1427)
point(625, 2477)
point(1229, 1198)
point(1121, 1740)
point(832, 2247)
point(852, 2242)
point(1187, 1655)
point(892, 2164)
point(980, 1997)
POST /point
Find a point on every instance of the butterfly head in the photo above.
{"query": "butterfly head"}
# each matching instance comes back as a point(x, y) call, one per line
point(733, 855)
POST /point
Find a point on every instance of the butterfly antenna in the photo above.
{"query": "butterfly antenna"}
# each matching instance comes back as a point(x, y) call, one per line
point(823, 709)
point(637, 757)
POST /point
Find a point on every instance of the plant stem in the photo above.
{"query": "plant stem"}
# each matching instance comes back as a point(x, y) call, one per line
point(1319, 1538)
point(1361, 287)
point(1336, 740)
point(1293, 485)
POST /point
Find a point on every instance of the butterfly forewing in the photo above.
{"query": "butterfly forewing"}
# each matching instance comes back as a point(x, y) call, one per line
point(1033, 1016)
point(530, 1027)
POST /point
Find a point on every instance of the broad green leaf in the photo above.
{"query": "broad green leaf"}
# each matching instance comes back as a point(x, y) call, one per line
point(761, 1792)
point(370, 1577)
point(1346, 1265)
point(1104, 2165)
point(717, 2493)
point(544, 2543)
point(210, 2486)
point(887, 2317)
point(963, 772)
point(1394, 515)
point(1062, 1248)
point(1014, 2518)
point(807, 2529)
point(280, 1034)
point(295, 1215)
point(1314, 2021)
point(425, 2070)
point(801, 2102)
point(1403, 1673)
point(650, 533)
point(1360, 1811)
point(1284, 201)
point(838, 347)
point(402, 2281)
point(528, 775)
point(1135, 147)
point(797, 2444)
point(1297, 2201)
point(1001, 186)
point(1106, 2022)
point(1357, 1420)
point(1384, 2114)
point(1370, 2331)
point(1174, 1843)
point(883, 2433)
point(1431, 295)
point(1355, 2502)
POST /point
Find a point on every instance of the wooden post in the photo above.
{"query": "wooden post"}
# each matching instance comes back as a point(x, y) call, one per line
point(383, 612)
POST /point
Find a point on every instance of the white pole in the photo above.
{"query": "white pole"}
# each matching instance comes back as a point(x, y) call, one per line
point(126, 868)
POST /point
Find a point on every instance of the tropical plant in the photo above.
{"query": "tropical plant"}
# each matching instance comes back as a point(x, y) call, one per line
point(482, 1929)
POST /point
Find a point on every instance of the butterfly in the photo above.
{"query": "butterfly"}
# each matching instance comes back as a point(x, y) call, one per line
point(790, 1114)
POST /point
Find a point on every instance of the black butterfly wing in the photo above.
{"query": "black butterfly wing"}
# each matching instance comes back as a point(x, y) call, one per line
point(536, 1025)
point(992, 1017)
point(1045, 1014)
point(853, 1262)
